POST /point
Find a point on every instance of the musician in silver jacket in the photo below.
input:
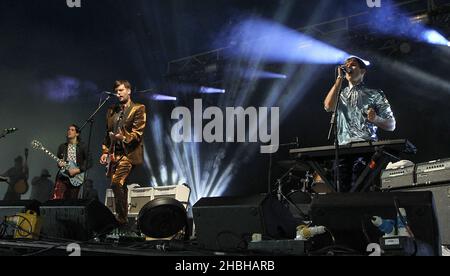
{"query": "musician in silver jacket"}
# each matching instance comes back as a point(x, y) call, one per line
point(361, 110)
point(360, 113)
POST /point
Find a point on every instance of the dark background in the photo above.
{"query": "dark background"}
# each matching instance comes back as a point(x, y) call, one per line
point(55, 61)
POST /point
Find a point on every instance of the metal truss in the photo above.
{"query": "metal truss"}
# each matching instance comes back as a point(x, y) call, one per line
point(336, 31)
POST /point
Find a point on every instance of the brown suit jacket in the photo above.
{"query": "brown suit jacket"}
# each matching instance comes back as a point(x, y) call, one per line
point(133, 127)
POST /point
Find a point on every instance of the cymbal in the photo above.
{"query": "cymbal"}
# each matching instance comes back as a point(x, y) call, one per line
point(294, 165)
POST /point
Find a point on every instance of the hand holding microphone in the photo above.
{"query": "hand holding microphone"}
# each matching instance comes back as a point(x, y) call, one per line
point(346, 69)
point(340, 73)
point(342, 69)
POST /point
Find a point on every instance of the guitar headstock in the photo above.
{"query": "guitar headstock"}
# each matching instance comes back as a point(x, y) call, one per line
point(7, 131)
point(36, 144)
point(10, 130)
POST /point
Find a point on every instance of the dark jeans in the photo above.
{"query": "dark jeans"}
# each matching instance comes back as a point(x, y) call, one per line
point(349, 171)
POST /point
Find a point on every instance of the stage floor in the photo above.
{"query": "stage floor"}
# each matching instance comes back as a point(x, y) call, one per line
point(42, 248)
point(150, 248)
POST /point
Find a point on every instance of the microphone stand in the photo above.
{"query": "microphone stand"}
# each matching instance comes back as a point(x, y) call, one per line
point(282, 196)
point(90, 121)
point(269, 177)
point(334, 128)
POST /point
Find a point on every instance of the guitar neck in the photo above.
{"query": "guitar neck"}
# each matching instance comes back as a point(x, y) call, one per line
point(54, 157)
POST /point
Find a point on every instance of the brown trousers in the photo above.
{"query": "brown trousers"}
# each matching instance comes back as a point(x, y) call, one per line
point(118, 180)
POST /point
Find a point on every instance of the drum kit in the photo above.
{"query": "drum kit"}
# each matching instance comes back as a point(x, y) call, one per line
point(300, 178)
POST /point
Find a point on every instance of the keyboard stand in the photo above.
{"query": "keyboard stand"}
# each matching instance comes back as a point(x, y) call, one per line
point(380, 160)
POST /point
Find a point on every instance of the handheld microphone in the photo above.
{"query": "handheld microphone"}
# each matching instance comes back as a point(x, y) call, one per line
point(346, 69)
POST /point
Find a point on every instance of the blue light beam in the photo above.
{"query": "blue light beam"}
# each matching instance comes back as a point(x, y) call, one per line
point(268, 41)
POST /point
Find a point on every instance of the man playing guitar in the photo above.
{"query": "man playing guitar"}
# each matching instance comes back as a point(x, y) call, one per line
point(71, 151)
point(123, 145)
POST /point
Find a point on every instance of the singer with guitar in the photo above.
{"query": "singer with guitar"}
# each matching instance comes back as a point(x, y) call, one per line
point(73, 152)
point(123, 147)
point(361, 112)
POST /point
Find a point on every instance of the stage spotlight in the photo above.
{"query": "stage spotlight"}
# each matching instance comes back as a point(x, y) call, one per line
point(211, 90)
point(162, 218)
point(158, 97)
point(434, 37)
point(401, 25)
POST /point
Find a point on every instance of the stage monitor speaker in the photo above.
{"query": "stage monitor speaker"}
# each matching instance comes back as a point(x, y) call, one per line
point(77, 220)
point(441, 194)
point(348, 217)
point(228, 223)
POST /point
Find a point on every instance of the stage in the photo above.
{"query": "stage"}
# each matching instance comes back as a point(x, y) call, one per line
point(225, 128)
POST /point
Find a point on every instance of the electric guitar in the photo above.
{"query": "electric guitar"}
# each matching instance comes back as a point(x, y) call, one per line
point(111, 159)
point(76, 180)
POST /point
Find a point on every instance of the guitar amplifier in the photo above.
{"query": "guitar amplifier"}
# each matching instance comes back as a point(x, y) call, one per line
point(138, 198)
point(109, 201)
point(433, 172)
point(397, 178)
point(141, 196)
point(109, 198)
